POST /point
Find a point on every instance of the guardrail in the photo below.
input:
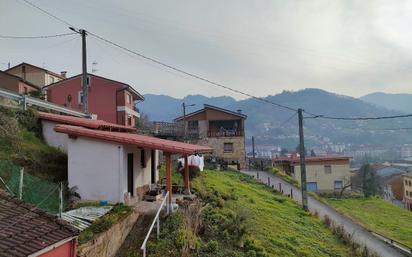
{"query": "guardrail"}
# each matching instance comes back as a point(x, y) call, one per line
point(156, 221)
point(405, 249)
point(25, 100)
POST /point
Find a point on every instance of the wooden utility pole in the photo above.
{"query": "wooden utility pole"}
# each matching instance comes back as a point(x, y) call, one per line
point(85, 85)
point(184, 121)
point(302, 162)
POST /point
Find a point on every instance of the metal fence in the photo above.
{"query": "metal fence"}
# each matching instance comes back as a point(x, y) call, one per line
point(42, 193)
point(25, 100)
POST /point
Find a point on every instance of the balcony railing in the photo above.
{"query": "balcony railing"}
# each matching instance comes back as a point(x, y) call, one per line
point(226, 133)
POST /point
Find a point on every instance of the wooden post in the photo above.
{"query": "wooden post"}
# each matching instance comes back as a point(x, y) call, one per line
point(186, 176)
point(169, 176)
point(21, 184)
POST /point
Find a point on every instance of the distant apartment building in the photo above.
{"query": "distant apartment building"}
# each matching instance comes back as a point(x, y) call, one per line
point(16, 84)
point(221, 129)
point(323, 173)
point(406, 151)
point(112, 101)
point(407, 196)
point(38, 76)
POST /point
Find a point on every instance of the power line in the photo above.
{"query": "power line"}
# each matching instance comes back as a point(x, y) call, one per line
point(191, 74)
point(36, 37)
point(315, 116)
point(48, 13)
point(216, 83)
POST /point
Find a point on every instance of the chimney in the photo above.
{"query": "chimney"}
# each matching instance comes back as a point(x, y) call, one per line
point(239, 111)
point(63, 74)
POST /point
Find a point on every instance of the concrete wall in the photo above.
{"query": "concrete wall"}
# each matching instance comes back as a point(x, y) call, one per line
point(94, 167)
point(107, 243)
point(325, 182)
point(99, 170)
point(52, 138)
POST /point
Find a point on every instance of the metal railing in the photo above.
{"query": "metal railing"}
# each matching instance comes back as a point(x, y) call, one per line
point(156, 221)
point(25, 100)
point(401, 247)
point(226, 133)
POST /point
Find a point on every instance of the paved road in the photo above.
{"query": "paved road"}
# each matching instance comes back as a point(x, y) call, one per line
point(360, 235)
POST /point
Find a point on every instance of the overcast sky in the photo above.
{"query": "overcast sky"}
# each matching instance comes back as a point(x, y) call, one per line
point(260, 47)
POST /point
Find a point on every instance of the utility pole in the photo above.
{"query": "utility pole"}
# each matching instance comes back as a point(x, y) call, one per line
point(85, 86)
point(302, 162)
point(253, 150)
point(184, 106)
point(184, 121)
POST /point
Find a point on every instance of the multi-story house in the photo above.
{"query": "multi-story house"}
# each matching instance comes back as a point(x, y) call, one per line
point(110, 100)
point(16, 84)
point(407, 194)
point(323, 173)
point(36, 75)
point(221, 129)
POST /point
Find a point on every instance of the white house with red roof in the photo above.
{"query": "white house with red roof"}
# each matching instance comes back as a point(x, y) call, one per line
point(111, 162)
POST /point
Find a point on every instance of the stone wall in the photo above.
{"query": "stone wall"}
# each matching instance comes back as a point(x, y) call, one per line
point(217, 143)
point(107, 243)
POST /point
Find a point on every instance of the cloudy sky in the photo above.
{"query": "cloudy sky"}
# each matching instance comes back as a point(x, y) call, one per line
point(260, 47)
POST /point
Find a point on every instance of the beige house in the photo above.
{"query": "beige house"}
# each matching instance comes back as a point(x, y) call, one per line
point(16, 84)
point(407, 192)
point(323, 173)
point(221, 129)
point(35, 75)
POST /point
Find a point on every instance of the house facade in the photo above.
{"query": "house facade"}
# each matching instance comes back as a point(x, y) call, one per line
point(407, 193)
point(323, 173)
point(36, 75)
point(16, 84)
point(221, 129)
point(118, 166)
point(28, 231)
point(110, 100)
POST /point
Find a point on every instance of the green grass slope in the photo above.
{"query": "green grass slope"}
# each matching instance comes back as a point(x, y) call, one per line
point(275, 223)
point(379, 216)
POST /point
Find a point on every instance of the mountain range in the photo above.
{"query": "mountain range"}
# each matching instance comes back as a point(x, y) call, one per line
point(274, 125)
point(398, 102)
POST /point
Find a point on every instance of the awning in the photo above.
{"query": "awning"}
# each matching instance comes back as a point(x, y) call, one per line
point(134, 139)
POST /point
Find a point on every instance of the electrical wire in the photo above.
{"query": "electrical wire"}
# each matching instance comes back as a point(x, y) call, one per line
point(37, 37)
point(314, 116)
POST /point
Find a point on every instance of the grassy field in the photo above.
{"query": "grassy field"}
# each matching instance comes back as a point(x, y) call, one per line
point(274, 222)
point(377, 215)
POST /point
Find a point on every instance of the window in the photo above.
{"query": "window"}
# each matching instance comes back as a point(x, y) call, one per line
point(407, 192)
point(80, 97)
point(129, 121)
point(25, 90)
point(129, 98)
point(328, 169)
point(338, 184)
point(51, 79)
point(228, 147)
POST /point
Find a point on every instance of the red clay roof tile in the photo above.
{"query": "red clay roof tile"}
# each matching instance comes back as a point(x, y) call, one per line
point(88, 123)
point(25, 230)
point(134, 139)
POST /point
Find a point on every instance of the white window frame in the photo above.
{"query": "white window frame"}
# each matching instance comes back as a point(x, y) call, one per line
point(80, 97)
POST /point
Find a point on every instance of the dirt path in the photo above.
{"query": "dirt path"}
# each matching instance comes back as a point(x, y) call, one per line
point(131, 246)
